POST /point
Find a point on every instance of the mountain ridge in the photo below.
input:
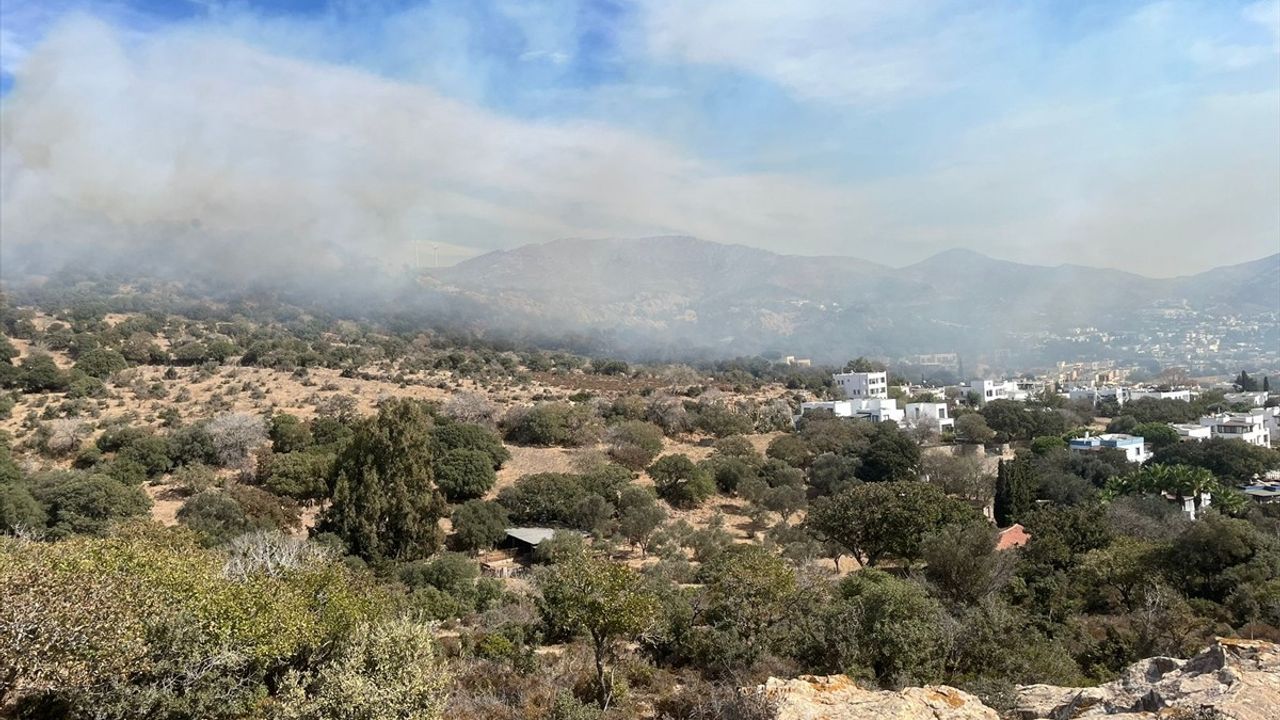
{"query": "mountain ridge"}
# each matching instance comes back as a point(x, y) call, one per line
point(716, 299)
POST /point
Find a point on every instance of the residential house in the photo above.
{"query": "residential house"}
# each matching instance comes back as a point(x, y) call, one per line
point(1192, 431)
point(874, 409)
point(937, 411)
point(863, 384)
point(1251, 427)
point(1134, 447)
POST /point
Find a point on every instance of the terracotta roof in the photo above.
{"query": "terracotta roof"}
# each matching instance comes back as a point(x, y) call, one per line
point(1011, 537)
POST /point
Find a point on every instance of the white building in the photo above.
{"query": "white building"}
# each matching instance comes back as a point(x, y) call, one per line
point(874, 409)
point(1250, 427)
point(1134, 447)
point(1096, 395)
point(1250, 397)
point(1192, 431)
point(988, 390)
point(863, 384)
point(1138, 393)
point(937, 411)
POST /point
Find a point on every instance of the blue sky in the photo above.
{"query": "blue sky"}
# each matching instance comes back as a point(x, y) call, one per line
point(1142, 135)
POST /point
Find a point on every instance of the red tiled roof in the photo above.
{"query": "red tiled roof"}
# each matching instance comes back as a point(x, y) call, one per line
point(1011, 537)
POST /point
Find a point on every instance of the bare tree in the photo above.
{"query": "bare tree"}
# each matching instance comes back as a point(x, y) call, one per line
point(61, 437)
point(925, 429)
point(470, 407)
point(269, 553)
point(234, 435)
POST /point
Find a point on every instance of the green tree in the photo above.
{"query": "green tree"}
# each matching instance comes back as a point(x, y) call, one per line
point(639, 515)
point(1246, 383)
point(963, 563)
point(891, 456)
point(464, 474)
point(1230, 460)
point(385, 501)
point(791, 449)
point(606, 600)
point(747, 592)
point(479, 525)
point(973, 428)
point(861, 365)
point(39, 373)
point(680, 482)
point(898, 629)
point(468, 436)
point(301, 475)
point(1119, 572)
point(1159, 435)
point(878, 520)
point(81, 504)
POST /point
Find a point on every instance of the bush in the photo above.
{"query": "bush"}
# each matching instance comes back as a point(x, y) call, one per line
point(680, 482)
point(299, 475)
point(551, 424)
point(388, 670)
point(191, 480)
point(634, 443)
point(790, 449)
point(728, 472)
point(464, 474)
point(288, 434)
point(81, 504)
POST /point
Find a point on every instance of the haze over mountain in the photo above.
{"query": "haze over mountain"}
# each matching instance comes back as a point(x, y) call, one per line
point(676, 295)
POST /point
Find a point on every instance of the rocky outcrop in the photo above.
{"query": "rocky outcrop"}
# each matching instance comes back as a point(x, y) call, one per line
point(1231, 679)
point(836, 697)
point(1240, 679)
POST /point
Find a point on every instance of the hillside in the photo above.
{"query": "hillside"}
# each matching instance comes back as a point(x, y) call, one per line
point(657, 295)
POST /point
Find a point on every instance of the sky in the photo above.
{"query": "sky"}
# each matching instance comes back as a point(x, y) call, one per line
point(256, 136)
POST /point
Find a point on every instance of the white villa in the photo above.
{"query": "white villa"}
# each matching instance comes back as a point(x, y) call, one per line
point(1250, 427)
point(863, 384)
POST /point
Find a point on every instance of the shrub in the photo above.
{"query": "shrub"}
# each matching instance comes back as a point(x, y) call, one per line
point(550, 424)
point(80, 504)
point(298, 475)
point(634, 443)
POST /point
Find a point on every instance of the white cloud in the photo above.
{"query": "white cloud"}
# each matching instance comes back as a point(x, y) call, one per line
point(862, 51)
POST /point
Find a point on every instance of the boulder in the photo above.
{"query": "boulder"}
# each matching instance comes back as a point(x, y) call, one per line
point(1240, 679)
point(836, 697)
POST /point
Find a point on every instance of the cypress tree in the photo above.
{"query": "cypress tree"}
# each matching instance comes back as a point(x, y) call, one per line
point(385, 501)
point(1014, 493)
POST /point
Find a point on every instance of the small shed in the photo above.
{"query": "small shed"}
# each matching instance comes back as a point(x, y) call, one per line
point(525, 539)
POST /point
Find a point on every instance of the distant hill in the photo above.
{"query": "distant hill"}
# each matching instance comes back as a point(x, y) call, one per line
point(681, 295)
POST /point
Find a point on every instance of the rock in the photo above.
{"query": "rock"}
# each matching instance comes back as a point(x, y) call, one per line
point(836, 697)
point(1240, 679)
